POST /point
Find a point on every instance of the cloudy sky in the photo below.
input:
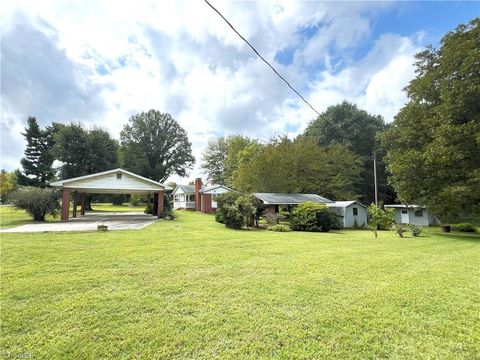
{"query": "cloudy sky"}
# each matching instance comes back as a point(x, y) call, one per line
point(98, 62)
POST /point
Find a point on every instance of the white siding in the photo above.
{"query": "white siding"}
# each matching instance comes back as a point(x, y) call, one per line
point(349, 218)
point(412, 218)
point(181, 200)
point(216, 192)
point(110, 182)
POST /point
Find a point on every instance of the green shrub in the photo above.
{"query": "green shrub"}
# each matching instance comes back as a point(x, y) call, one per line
point(232, 217)
point(279, 228)
point(416, 230)
point(400, 229)
point(465, 227)
point(380, 218)
point(37, 202)
point(219, 216)
point(118, 199)
point(149, 209)
point(169, 214)
point(312, 216)
point(136, 199)
point(236, 210)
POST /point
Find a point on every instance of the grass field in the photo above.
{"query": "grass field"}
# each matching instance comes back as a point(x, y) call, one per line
point(191, 288)
point(10, 216)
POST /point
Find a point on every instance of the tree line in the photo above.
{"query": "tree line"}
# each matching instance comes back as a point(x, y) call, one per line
point(333, 157)
point(429, 155)
point(151, 144)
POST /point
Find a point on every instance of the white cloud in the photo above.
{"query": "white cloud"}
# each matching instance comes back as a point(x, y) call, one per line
point(111, 59)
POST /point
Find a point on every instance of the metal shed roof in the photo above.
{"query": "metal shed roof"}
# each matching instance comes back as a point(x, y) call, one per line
point(344, 203)
point(289, 199)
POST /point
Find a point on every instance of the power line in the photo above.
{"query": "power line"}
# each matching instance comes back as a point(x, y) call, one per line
point(261, 57)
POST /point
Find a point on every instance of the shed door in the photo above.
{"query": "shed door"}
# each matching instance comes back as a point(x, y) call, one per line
point(404, 216)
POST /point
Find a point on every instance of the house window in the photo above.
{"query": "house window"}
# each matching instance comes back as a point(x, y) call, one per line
point(419, 213)
point(355, 211)
point(119, 176)
point(176, 198)
point(404, 211)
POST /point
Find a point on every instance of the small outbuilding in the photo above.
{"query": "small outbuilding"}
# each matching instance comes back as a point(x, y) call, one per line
point(353, 213)
point(412, 214)
point(273, 201)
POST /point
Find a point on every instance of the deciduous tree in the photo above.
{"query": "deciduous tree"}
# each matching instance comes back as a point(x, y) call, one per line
point(224, 155)
point(301, 166)
point(434, 143)
point(84, 151)
point(357, 130)
point(154, 145)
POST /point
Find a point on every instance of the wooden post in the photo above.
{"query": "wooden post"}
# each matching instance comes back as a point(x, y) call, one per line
point(75, 203)
point(65, 204)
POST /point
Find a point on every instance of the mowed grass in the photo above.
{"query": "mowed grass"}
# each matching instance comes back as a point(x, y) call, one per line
point(11, 216)
point(191, 288)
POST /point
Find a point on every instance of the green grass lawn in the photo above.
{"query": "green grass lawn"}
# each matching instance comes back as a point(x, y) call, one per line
point(10, 216)
point(117, 208)
point(191, 288)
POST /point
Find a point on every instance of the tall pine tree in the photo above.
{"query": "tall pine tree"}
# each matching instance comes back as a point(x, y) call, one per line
point(37, 163)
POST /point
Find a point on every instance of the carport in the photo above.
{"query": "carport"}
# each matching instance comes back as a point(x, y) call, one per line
point(116, 181)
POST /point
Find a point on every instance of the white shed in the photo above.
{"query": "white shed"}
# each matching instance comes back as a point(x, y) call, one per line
point(351, 212)
point(412, 214)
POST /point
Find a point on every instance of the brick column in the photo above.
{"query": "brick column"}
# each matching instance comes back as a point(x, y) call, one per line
point(198, 186)
point(160, 203)
point(83, 199)
point(65, 204)
point(75, 203)
point(206, 203)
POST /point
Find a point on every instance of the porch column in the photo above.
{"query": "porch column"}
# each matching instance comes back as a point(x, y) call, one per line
point(65, 204)
point(160, 203)
point(83, 197)
point(75, 203)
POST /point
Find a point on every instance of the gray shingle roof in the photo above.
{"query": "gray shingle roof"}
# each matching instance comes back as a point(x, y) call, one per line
point(187, 188)
point(289, 199)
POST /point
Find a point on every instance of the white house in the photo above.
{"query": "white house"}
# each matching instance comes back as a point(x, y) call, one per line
point(412, 214)
point(197, 197)
point(353, 213)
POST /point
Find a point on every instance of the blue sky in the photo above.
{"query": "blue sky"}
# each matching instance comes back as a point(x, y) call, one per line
point(99, 62)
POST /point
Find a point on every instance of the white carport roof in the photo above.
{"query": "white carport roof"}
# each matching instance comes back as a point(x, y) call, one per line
point(116, 181)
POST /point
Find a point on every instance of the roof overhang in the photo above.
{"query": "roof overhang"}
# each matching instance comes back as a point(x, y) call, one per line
point(289, 199)
point(116, 181)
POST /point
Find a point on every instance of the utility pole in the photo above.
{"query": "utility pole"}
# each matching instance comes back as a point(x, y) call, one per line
point(375, 176)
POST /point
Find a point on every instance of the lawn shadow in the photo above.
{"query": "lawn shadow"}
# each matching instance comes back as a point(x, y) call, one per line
point(469, 237)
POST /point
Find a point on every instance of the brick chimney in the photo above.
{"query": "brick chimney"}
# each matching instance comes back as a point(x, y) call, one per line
point(198, 186)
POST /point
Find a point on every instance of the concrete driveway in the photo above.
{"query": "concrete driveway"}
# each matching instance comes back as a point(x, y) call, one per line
point(89, 222)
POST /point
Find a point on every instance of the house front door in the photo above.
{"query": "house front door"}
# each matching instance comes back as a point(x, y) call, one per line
point(404, 217)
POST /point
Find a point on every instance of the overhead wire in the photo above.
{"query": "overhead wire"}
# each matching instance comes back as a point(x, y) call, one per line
point(261, 57)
